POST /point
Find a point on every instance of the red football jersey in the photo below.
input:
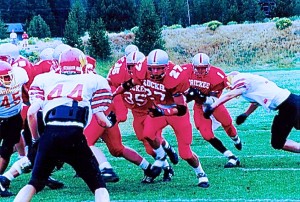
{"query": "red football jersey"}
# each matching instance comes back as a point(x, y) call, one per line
point(25, 64)
point(162, 91)
point(136, 98)
point(42, 66)
point(211, 84)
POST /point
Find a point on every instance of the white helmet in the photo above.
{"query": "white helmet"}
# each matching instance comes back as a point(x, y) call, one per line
point(201, 64)
point(157, 57)
point(59, 49)
point(47, 54)
point(9, 52)
point(157, 62)
point(130, 48)
point(133, 58)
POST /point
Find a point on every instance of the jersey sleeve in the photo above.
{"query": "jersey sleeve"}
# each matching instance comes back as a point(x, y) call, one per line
point(36, 92)
point(176, 79)
point(102, 96)
point(139, 71)
point(118, 73)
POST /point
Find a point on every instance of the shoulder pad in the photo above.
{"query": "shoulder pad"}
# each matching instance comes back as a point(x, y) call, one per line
point(175, 75)
point(118, 73)
point(140, 70)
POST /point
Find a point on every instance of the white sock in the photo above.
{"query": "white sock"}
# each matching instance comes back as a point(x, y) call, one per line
point(166, 164)
point(144, 164)
point(105, 164)
point(160, 152)
point(228, 153)
point(199, 169)
point(9, 176)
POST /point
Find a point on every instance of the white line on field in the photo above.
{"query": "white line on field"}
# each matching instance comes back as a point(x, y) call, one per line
point(269, 169)
point(255, 156)
point(198, 200)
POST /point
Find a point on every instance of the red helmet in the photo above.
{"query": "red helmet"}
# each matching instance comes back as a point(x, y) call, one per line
point(72, 61)
point(6, 75)
point(157, 62)
point(201, 64)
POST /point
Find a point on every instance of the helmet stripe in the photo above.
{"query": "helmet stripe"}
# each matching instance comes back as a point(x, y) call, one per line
point(155, 57)
point(200, 58)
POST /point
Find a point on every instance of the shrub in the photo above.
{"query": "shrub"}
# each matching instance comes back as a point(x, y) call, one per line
point(232, 23)
point(283, 23)
point(213, 25)
point(32, 56)
point(175, 26)
point(33, 40)
point(47, 39)
point(134, 29)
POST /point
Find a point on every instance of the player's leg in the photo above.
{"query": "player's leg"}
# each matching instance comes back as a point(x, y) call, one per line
point(183, 131)
point(206, 130)
point(222, 115)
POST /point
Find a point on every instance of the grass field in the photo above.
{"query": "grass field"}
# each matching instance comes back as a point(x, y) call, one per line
point(265, 174)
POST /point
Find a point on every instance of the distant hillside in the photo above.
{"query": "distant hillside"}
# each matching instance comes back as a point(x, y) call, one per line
point(243, 46)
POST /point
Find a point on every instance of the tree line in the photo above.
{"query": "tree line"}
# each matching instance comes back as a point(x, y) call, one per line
point(121, 15)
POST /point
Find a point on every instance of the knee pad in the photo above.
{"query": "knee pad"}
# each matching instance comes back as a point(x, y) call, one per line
point(22, 164)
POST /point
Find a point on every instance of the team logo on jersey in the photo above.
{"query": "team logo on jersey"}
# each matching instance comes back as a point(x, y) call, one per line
point(10, 90)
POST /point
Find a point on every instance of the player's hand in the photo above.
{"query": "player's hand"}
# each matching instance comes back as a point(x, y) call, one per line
point(156, 111)
point(241, 118)
point(208, 111)
point(112, 118)
point(195, 94)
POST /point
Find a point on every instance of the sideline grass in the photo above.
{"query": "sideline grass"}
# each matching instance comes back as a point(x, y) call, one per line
point(265, 174)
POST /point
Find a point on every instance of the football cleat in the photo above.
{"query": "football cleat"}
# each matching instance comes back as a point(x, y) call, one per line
point(202, 180)
point(109, 175)
point(54, 184)
point(151, 173)
point(173, 156)
point(168, 174)
point(232, 162)
point(4, 185)
point(4, 182)
point(238, 146)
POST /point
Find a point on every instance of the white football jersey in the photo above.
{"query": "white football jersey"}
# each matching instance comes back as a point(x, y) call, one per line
point(52, 89)
point(260, 90)
point(11, 98)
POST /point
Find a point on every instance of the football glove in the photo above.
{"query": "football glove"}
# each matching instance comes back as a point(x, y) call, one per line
point(156, 111)
point(112, 118)
point(195, 94)
point(208, 111)
point(241, 118)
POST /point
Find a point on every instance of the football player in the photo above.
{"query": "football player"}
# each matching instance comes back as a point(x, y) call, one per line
point(66, 100)
point(138, 102)
point(11, 82)
point(166, 83)
point(260, 91)
point(207, 83)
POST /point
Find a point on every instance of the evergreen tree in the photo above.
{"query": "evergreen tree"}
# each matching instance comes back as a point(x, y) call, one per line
point(3, 33)
point(79, 13)
point(119, 15)
point(38, 28)
point(71, 33)
point(164, 12)
point(148, 36)
point(98, 43)
point(60, 10)
point(42, 8)
point(179, 12)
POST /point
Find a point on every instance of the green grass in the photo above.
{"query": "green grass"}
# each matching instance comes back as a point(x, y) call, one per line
point(265, 174)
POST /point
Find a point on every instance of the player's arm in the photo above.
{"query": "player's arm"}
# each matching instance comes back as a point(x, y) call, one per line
point(125, 86)
point(242, 117)
point(222, 99)
point(32, 120)
point(106, 121)
point(177, 109)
